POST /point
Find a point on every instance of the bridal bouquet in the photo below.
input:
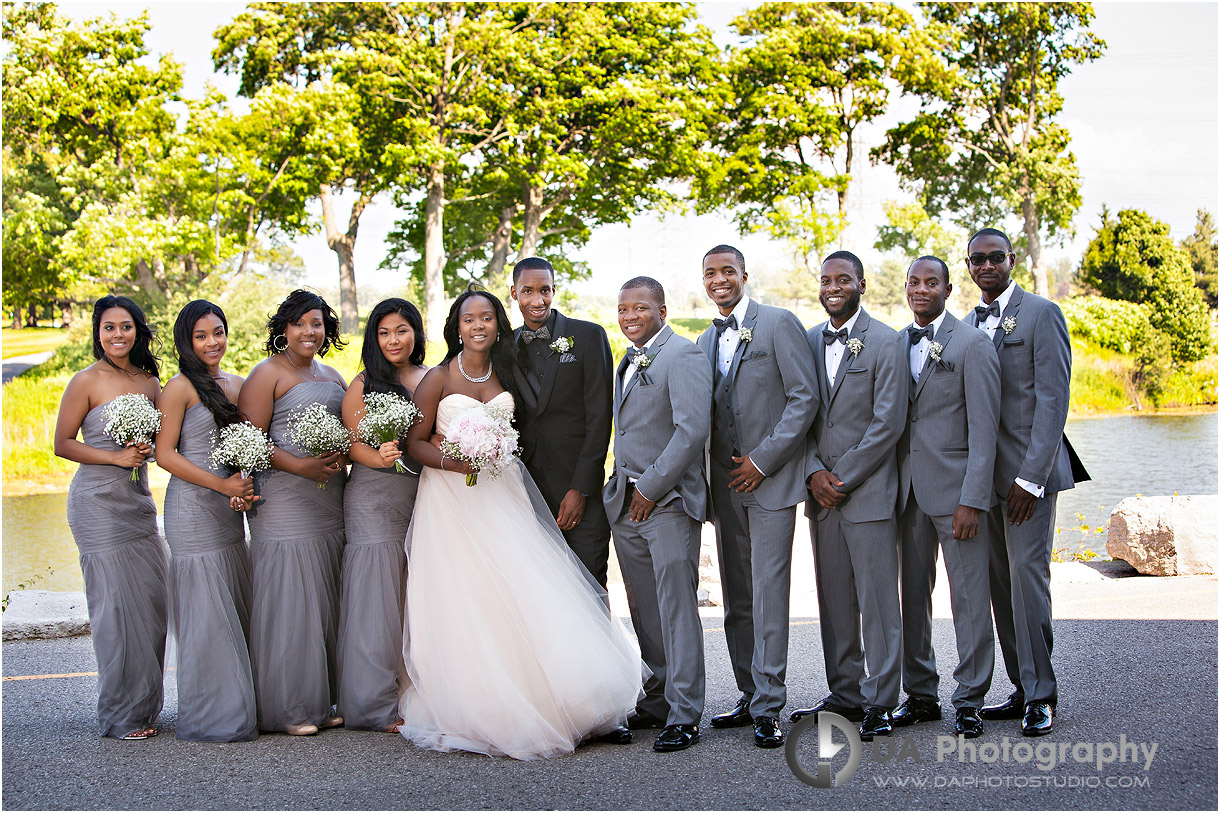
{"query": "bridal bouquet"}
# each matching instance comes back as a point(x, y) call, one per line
point(242, 446)
point(484, 437)
point(318, 431)
point(387, 417)
point(132, 419)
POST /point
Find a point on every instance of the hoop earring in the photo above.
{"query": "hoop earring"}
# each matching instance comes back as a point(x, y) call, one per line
point(274, 343)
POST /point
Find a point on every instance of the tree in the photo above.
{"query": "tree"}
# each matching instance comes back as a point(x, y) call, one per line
point(1201, 248)
point(985, 144)
point(909, 232)
point(788, 108)
point(1134, 259)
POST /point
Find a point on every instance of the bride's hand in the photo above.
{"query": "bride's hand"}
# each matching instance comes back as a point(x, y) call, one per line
point(459, 466)
point(436, 440)
point(389, 453)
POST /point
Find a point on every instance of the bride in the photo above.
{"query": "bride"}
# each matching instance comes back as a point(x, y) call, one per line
point(508, 643)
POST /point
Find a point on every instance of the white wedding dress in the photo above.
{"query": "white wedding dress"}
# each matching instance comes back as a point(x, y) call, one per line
point(507, 641)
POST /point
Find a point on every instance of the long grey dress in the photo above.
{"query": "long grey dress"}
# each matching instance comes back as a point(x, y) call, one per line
point(377, 506)
point(123, 558)
point(210, 577)
point(296, 542)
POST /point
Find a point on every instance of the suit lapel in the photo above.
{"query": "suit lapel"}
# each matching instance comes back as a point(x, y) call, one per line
point(550, 368)
point(521, 377)
point(660, 340)
point(1014, 305)
point(848, 358)
point(748, 322)
point(942, 336)
point(708, 343)
point(819, 363)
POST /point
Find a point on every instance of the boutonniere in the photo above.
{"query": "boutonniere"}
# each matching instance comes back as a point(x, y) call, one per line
point(643, 361)
point(934, 350)
point(854, 346)
point(563, 344)
point(1009, 324)
point(745, 334)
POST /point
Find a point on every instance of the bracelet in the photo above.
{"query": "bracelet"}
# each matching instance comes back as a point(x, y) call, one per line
point(443, 463)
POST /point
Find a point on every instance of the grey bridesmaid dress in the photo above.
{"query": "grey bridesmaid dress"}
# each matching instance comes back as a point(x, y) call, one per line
point(296, 543)
point(123, 558)
point(210, 579)
point(377, 506)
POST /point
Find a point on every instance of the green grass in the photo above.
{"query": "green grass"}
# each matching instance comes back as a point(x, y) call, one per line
point(1101, 382)
point(30, 408)
point(32, 340)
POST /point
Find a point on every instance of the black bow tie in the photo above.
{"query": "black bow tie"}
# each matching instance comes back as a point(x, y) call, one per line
point(633, 353)
point(831, 336)
point(528, 335)
point(723, 324)
point(981, 312)
point(917, 333)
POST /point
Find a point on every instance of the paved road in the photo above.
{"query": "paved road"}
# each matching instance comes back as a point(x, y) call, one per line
point(19, 364)
point(1152, 681)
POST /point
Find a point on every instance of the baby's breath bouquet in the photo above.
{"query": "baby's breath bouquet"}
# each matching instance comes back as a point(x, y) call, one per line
point(242, 446)
point(132, 419)
point(318, 431)
point(387, 417)
point(484, 437)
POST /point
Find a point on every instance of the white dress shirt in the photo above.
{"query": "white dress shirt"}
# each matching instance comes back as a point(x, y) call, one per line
point(726, 345)
point(989, 326)
point(835, 350)
point(630, 372)
point(919, 350)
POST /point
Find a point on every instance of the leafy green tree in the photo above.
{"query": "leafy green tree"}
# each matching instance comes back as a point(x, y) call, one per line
point(788, 108)
point(1133, 258)
point(1201, 248)
point(985, 144)
point(910, 232)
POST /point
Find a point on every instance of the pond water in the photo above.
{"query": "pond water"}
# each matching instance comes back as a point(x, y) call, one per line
point(1126, 455)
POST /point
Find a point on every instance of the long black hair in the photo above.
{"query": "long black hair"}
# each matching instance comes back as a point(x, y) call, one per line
point(379, 374)
point(190, 365)
point(503, 350)
point(141, 354)
point(297, 304)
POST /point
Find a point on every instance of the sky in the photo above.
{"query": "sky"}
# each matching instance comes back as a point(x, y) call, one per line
point(1143, 121)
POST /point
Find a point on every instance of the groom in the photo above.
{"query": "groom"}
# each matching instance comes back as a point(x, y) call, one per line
point(656, 500)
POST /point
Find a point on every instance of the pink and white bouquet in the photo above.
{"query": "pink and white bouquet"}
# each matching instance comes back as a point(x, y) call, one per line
point(132, 419)
point(484, 437)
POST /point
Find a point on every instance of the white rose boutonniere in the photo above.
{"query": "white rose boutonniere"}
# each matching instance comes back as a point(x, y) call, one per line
point(1009, 324)
point(563, 344)
point(643, 361)
point(745, 334)
point(854, 346)
point(934, 350)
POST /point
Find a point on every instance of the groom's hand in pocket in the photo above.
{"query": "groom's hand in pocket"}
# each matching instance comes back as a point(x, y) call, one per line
point(571, 510)
point(641, 506)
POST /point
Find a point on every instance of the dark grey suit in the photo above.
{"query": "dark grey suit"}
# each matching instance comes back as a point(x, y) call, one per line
point(855, 548)
point(763, 408)
point(1035, 371)
point(946, 458)
point(662, 421)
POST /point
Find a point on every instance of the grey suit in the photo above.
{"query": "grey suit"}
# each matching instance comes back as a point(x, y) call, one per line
point(946, 458)
point(763, 408)
point(662, 421)
point(855, 549)
point(1035, 371)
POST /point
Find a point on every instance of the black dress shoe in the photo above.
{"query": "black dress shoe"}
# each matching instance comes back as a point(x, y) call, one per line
point(642, 719)
point(968, 724)
point(855, 715)
point(677, 738)
point(619, 735)
point(739, 716)
point(767, 733)
point(916, 710)
point(1038, 720)
point(1011, 709)
point(876, 723)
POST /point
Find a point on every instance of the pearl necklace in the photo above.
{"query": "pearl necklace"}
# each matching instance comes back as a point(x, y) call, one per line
point(467, 375)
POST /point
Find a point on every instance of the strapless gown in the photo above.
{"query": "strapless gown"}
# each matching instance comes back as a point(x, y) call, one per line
point(123, 559)
point(508, 644)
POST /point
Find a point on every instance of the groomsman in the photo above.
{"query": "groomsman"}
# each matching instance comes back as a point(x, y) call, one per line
point(1034, 462)
point(946, 458)
point(853, 478)
point(763, 404)
point(564, 373)
point(656, 500)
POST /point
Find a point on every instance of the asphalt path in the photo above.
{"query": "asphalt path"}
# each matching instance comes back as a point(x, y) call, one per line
point(1150, 681)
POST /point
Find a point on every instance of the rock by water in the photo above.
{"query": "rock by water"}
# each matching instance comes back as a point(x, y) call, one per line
point(1165, 536)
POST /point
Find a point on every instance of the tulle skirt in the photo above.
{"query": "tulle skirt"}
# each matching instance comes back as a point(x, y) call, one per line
point(509, 645)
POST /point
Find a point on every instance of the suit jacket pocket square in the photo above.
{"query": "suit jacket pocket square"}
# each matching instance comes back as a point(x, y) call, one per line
point(1013, 342)
point(566, 357)
point(857, 370)
point(757, 354)
point(947, 366)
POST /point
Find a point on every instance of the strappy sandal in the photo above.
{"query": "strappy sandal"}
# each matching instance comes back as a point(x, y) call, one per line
point(301, 729)
point(142, 734)
point(392, 728)
point(332, 722)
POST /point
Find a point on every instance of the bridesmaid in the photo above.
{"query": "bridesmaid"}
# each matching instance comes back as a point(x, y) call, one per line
point(377, 509)
point(296, 529)
point(209, 568)
point(114, 523)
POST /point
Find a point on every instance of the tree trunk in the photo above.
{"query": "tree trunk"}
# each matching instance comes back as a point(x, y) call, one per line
point(148, 282)
point(434, 250)
point(1033, 246)
point(500, 243)
point(66, 316)
point(17, 322)
point(31, 316)
point(847, 171)
point(344, 246)
point(532, 224)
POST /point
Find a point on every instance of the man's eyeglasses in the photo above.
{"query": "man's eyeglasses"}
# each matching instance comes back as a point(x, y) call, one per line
point(996, 257)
